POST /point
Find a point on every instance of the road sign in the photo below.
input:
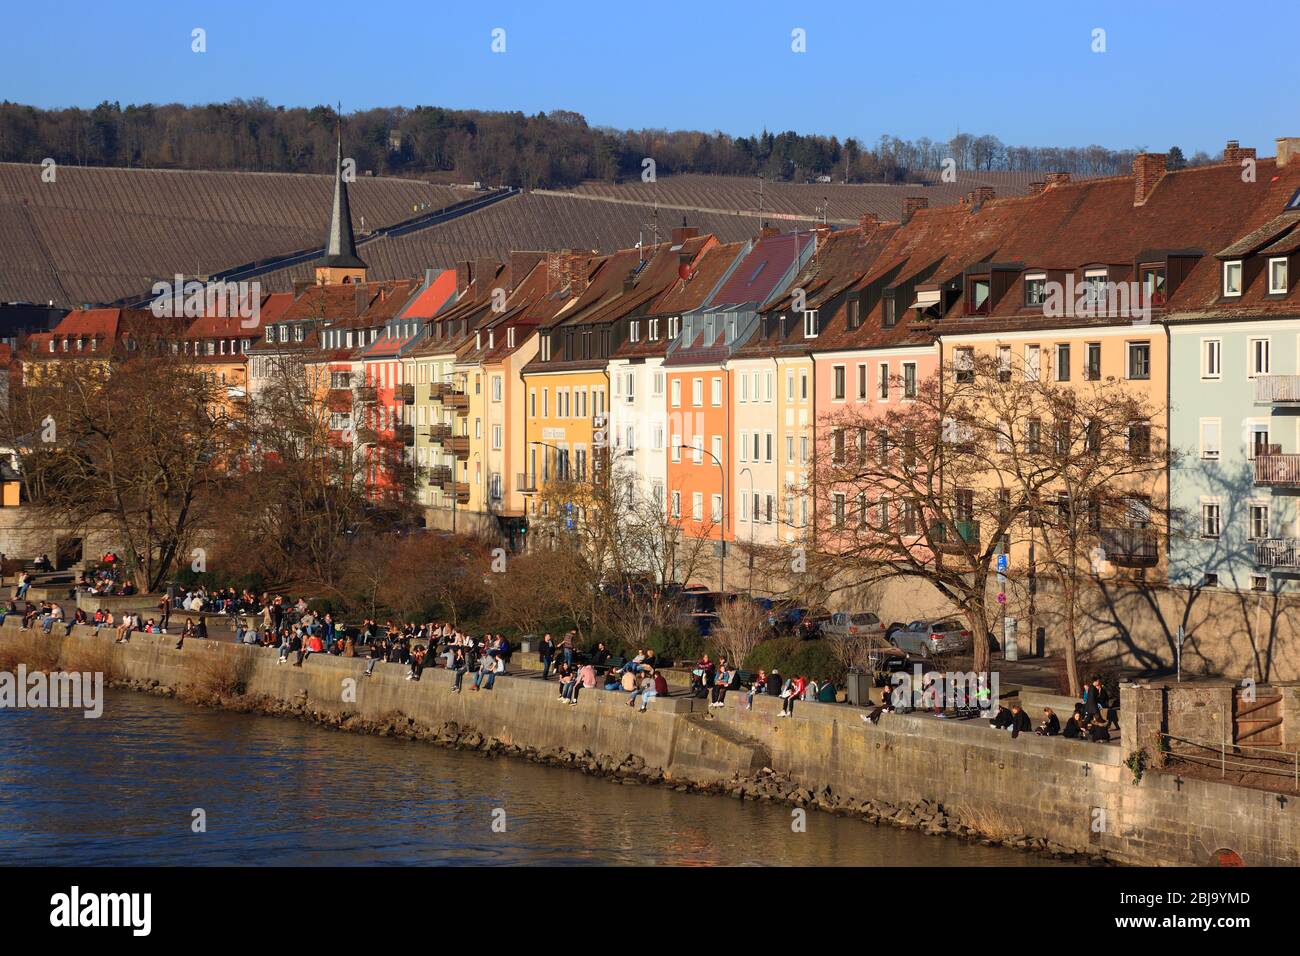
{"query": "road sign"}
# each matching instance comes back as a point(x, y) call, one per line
point(1002, 597)
point(1002, 564)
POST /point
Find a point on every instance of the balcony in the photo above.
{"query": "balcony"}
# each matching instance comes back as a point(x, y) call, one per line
point(967, 536)
point(439, 433)
point(458, 445)
point(1130, 547)
point(1278, 554)
point(1277, 390)
point(462, 492)
point(1275, 469)
point(365, 394)
point(339, 400)
point(406, 435)
point(526, 483)
point(457, 401)
point(406, 393)
point(440, 475)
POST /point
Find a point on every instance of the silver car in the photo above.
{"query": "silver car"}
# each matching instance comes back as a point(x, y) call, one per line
point(853, 624)
point(926, 639)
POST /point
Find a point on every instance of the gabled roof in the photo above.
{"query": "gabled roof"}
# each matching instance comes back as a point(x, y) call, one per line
point(759, 275)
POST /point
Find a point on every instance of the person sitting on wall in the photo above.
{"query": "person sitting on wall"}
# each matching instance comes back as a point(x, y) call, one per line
point(794, 691)
point(721, 682)
point(1002, 720)
point(1099, 729)
point(775, 684)
point(886, 706)
point(1074, 726)
point(826, 693)
point(1020, 722)
point(759, 686)
point(1105, 704)
point(1051, 725)
point(459, 666)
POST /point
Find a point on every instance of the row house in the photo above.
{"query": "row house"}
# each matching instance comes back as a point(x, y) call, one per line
point(703, 446)
point(1234, 347)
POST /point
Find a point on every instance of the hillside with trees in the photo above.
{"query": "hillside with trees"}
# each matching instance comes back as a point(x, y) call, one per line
point(546, 150)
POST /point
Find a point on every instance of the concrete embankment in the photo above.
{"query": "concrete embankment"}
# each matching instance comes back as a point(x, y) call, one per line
point(937, 776)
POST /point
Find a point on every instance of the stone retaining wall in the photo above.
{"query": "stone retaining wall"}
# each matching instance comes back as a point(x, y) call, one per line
point(1075, 795)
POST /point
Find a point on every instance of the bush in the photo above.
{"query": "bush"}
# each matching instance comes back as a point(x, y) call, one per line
point(679, 644)
point(792, 656)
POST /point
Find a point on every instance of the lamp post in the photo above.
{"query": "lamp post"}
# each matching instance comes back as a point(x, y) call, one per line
point(753, 518)
point(722, 534)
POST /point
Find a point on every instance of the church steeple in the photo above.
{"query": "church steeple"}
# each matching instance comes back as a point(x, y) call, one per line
point(340, 262)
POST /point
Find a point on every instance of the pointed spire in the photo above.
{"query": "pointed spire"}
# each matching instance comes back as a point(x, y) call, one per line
point(340, 245)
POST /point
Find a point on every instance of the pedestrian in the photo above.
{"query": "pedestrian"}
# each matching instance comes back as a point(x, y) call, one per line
point(546, 653)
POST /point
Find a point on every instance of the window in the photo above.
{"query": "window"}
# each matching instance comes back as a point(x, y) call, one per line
point(654, 330)
point(1153, 285)
point(1211, 438)
point(1211, 358)
point(743, 395)
point(1092, 362)
point(977, 297)
point(497, 433)
point(1031, 363)
point(1211, 516)
point(1259, 444)
point(717, 392)
point(839, 510)
point(657, 384)
point(1139, 360)
point(677, 393)
point(716, 509)
point(632, 330)
point(1063, 362)
point(1139, 440)
point(1210, 580)
point(677, 448)
point(883, 387)
point(697, 444)
point(1258, 352)
point(1004, 363)
point(854, 312)
point(767, 447)
point(677, 504)
point(1035, 289)
point(810, 323)
point(803, 386)
point(1277, 278)
point(697, 392)
point(963, 362)
point(1033, 436)
point(1094, 290)
point(744, 446)
point(674, 326)
point(717, 447)
point(496, 388)
point(888, 311)
point(839, 385)
point(909, 380)
point(1258, 521)
point(862, 383)
point(1232, 278)
point(1258, 582)
point(838, 452)
point(697, 506)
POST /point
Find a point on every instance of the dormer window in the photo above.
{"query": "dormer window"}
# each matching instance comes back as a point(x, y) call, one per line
point(478, 340)
point(632, 330)
point(284, 333)
point(1094, 288)
point(270, 333)
point(510, 337)
point(888, 310)
point(1232, 278)
point(1153, 285)
point(1277, 276)
point(654, 330)
point(298, 333)
point(977, 296)
point(810, 323)
point(546, 348)
point(853, 313)
point(492, 339)
point(1035, 289)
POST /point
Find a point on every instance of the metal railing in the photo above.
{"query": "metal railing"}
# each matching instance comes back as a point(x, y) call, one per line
point(1278, 470)
point(1277, 389)
point(1131, 547)
point(1283, 553)
point(525, 482)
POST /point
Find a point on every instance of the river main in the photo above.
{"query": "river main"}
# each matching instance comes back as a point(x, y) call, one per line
point(126, 789)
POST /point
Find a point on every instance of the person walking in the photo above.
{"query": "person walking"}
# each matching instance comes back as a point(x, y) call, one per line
point(546, 653)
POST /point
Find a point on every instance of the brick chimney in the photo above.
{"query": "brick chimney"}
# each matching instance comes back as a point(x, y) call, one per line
point(574, 267)
point(1148, 169)
point(1234, 152)
point(1036, 188)
point(911, 204)
point(868, 220)
point(1288, 149)
point(684, 232)
point(1057, 179)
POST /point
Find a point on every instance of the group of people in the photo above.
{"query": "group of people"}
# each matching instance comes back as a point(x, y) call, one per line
point(1093, 718)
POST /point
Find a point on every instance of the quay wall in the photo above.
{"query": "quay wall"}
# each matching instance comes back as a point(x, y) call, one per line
point(1080, 796)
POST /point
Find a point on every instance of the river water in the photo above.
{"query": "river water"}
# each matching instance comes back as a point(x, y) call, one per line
point(125, 788)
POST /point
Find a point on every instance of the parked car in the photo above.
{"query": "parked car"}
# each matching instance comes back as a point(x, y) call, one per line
point(811, 623)
point(928, 638)
point(853, 624)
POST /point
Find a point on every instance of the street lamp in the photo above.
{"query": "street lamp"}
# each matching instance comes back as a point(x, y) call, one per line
point(722, 534)
point(753, 519)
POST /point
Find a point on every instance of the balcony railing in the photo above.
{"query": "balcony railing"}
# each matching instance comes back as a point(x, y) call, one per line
point(1278, 554)
point(365, 393)
point(406, 393)
point(1130, 547)
point(406, 435)
point(1276, 469)
point(462, 492)
point(1277, 390)
point(458, 445)
point(440, 474)
point(458, 401)
point(439, 432)
point(966, 534)
point(526, 483)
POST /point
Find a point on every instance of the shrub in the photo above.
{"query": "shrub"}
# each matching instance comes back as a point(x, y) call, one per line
point(792, 656)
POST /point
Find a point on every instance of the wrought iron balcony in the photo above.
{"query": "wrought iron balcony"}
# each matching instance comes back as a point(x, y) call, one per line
point(526, 483)
point(365, 394)
point(406, 393)
point(1130, 547)
point(1278, 554)
point(1275, 469)
point(406, 435)
point(439, 432)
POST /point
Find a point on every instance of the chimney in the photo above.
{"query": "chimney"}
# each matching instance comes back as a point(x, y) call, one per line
point(485, 273)
point(574, 268)
point(684, 232)
point(1148, 168)
point(1288, 149)
point(1036, 188)
point(868, 220)
point(464, 273)
point(911, 205)
point(1057, 179)
point(767, 232)
point(1234, 153)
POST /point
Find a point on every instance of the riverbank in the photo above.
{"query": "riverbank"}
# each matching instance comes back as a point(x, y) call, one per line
point(937, 776)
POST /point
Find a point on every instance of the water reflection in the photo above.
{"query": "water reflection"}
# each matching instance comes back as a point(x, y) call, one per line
point(122, 789)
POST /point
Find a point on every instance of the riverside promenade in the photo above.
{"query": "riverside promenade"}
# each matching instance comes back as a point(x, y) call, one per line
point(1077, 796)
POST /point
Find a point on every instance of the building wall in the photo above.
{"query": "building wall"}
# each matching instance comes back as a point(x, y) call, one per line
point(795, 382)
point(1228, 399)
point(646, 415)
point(574, 432)
point(755, 414)
point(706, 420)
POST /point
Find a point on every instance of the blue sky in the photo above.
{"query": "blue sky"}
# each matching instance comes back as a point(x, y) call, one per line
point(1193, 73)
